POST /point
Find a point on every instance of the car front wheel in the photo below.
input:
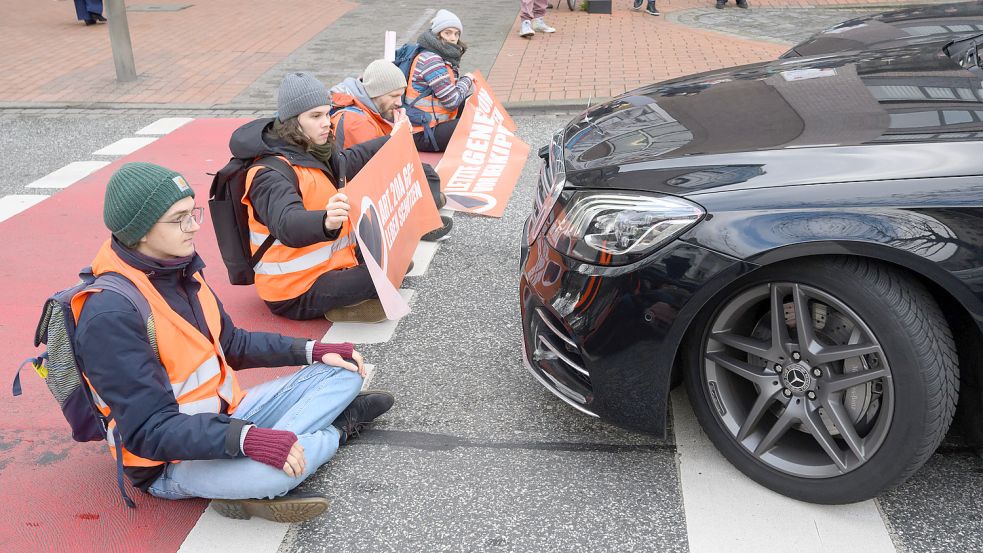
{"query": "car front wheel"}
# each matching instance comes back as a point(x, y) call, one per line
point(827, 380)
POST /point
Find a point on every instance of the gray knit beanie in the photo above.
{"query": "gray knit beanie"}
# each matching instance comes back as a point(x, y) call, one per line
point(298, 93)
point(382, 77)
point(445, 20)
point(137, 195)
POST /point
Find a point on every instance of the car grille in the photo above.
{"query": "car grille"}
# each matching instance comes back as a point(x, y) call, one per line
point(555, 347)
point(535, 220)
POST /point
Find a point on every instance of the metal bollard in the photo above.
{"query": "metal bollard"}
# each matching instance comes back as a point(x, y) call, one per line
point(119, 38)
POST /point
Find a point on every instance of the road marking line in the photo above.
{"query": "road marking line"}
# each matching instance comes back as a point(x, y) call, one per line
point(213, 532)
point(125, 146)
point(68, 175)
point(726, 511)
point(369, 373)
point(165, 125)
point(15, 203)
point(422, 257)
point(365, 333)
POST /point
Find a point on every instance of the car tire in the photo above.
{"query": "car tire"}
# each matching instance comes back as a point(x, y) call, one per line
point(918, 389)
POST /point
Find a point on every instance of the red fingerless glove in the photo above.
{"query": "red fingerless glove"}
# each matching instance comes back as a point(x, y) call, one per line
point(268, 446)
point(343, 349)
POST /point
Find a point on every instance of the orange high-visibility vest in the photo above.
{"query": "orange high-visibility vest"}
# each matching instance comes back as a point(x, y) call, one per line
point(430, 104)
point(283, 272)
point(196, 368)
point(361, 122)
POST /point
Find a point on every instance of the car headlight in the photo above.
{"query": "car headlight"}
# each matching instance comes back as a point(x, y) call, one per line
point(615, 228)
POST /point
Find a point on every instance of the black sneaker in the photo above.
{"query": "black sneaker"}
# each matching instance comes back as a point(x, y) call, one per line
point(637, 5)
point(440, 232)
point(720, 5)
point(441, 200)
point(650, 9)
point(366, 407)
point(742, 4)
point(293, 507)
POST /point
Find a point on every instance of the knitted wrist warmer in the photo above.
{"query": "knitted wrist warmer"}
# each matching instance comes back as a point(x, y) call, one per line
point(268, 446)
point(343, 349)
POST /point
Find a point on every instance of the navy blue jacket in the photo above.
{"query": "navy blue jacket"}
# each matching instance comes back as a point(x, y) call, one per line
point(116, 355)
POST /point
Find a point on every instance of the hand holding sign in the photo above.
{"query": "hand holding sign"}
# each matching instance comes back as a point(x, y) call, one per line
point(336, 211)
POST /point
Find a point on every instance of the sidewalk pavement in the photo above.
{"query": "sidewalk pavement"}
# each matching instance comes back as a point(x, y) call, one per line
point(230, 54)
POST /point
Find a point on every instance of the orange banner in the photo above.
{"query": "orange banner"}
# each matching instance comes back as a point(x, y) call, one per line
point(483, 160)
point(391, 209)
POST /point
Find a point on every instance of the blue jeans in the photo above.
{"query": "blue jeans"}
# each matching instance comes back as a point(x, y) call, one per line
point(306, 403)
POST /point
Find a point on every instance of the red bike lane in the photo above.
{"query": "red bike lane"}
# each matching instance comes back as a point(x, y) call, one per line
point(60, 495)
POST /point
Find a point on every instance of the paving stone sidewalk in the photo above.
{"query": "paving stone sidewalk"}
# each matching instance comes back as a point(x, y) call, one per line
point(228, 56)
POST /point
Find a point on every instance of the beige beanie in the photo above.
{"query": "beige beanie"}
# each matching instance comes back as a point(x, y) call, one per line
point(382, 77)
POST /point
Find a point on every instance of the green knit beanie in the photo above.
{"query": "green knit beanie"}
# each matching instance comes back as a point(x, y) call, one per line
point(137, 195)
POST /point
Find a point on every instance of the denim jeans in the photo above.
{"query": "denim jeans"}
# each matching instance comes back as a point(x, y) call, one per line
point(306, 403)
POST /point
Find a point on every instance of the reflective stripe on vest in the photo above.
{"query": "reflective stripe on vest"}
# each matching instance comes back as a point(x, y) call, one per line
point(305, 261)
point(285, 272)
point(430, 104)
point(198, 374)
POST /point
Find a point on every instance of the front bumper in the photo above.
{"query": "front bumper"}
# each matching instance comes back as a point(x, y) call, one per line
point(604, 340)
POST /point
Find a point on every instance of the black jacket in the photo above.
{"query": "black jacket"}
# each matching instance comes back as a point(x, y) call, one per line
point(276, 201)
point(116, 355)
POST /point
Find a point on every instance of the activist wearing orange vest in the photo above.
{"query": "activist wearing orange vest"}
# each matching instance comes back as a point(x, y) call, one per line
point(199, 375)
point(312, 270)
point(435, 94)
point(163, 377)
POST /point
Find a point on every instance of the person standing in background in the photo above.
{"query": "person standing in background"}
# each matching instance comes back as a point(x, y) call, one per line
point(532, 12)
point(89, 11)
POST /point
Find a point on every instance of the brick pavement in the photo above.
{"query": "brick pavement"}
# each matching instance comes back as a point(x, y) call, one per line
point(231, 54)
point(205, 54)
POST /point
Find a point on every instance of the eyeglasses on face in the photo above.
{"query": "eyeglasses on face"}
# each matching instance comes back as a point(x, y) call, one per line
point(197, 215)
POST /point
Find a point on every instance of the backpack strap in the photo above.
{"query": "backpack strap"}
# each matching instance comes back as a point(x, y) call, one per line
point(118, 283)
point(274, 163)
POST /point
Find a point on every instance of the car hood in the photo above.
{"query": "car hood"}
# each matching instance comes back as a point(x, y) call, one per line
point(915, 25)
point(736, 121)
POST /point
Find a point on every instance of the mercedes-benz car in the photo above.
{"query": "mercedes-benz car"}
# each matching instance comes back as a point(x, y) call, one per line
point(910, 25)
point(799, 241)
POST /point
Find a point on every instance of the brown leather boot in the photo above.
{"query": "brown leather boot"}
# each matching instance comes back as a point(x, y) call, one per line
point(293, 507)
point(368, 311)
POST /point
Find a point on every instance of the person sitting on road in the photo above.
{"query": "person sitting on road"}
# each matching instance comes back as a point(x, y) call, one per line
point(436, 93)
point(178, 398)
point(314, 268)
point(365, 109)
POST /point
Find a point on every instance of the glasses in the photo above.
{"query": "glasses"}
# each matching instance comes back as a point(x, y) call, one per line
point(197, 215)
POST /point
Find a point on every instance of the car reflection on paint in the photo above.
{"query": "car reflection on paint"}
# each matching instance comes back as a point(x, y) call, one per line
point(800, 241)
point(925, 24)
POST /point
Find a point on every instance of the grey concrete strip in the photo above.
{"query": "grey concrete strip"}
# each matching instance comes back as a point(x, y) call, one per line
point(726, 511)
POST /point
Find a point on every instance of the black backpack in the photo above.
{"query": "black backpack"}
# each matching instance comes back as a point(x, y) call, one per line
point(231, 219)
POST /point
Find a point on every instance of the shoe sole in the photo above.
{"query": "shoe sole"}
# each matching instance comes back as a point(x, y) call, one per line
point(282, 510)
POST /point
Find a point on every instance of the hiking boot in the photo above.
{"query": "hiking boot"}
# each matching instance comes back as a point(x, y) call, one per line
point(368, 311)
point(293, 507)
point(637, 5)
point(366, 407)
point(650, 9)
point(720, 5)
point(438, 233)
point(742, 4)
point(525, 30)
point(539, 25)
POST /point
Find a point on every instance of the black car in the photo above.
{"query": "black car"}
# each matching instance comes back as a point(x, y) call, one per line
point(800, 241)
point(899, 27)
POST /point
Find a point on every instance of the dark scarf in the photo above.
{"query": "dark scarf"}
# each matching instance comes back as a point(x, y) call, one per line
point(321, 152)
point(450, 52)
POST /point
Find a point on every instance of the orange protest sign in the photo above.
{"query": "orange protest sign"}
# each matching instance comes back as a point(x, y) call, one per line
point(391, 208)
point(483, 160)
